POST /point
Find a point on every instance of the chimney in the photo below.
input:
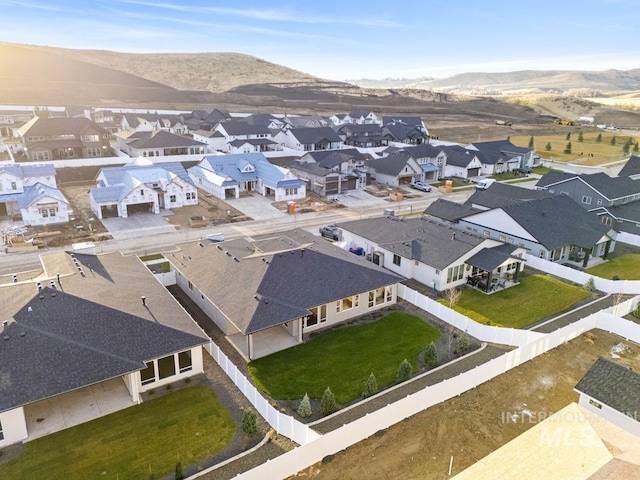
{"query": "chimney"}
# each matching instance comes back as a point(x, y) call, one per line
point(144, 300)
point(453, 236)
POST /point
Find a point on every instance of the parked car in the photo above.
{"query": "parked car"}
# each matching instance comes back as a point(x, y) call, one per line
point(420, 186)
point(330, 231)
point(484, 184)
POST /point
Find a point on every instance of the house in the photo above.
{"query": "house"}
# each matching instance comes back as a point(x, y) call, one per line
point(305, 121)
point(30, 191)
point(395, 169)
point(503, 156)
point(366, 135)
point(12, 120)
point(86, 339)
point(553, 228)
point(610, 390)
point(133, 188)
point(402, 133)
point(501, 195)
point(157, 143)
point(461, 162)
point(148, 122)
point(204, 119)
point(213, 139)
point(61, 138)
point(410, 122)
point(107, 119)
point(223, 175)
point(243, 137)
point(433, 253)
point(311, 139)
point(631, 168)
point(449, 212)
point(341, 119)
point(362, 117)
point(432, 159)
point(329, 172)
point(265, 120)
point(269, 294)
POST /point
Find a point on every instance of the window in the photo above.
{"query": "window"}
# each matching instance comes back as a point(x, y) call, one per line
point(142, 192)
point(190, 285)
point(45, 213)
point(599, 201)
point(93, 152)
point(348, 303)
point(52, 212)
point(166, 367)
point(318, 315)
point(148, 375)
point(606, 220)
point(586, 200)
point(1, 432)
point(486, 233)
point(172, 198)
point(91, 138)
point(338, 306)
point(396, 259)
point(502, 238)
point(191, 195)
point(541, 255)
point(291, 191)
point(40, 156)
point(455, 273)
point(14, 186)
point(594, 403)
point(184, 361)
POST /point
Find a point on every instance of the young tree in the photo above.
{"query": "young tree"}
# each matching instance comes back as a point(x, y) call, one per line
point(451, 336)
point(547, 147)
point(508, 138)
point(567, 148)
point(599, 138)
point(178, 472)
point(431, 356)
point(636, 148)
point(328, 403)
point(531, 142)
point(370, 386)
point(404, 371)
point(453, 295)
point(304, 409)
point(625, 148)
point(463, 342)
point(613, 140)
point(569, 136)
point(249, 422)
point(580, 137)
point(590, 285)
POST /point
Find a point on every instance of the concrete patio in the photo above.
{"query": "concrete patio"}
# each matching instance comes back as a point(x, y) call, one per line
point(264, 343)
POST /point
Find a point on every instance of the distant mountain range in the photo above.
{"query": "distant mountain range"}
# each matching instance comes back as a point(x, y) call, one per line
point(521, 82)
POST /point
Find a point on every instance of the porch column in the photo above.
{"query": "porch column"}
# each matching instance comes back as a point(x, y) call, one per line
point(300, 324)
point(517, 274)
point(606, 250)
point(250, 346)
point(486, 289)
point(586, 258)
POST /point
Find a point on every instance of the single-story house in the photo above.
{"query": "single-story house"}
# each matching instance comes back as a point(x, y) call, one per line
point(436, 254)
point(396, 169)
point(503, 156)
point(502, 194)
point(157, 143)
point(268, 294)
point(222, 175)
point(133, 188)
point(86, 341)
point(461, 162)
point(610, 390)
point(310, 139)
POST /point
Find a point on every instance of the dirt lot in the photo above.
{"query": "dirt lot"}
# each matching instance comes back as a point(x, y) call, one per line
point(471, 426)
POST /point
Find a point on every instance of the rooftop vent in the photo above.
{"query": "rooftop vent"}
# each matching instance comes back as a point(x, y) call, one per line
point(15, 279)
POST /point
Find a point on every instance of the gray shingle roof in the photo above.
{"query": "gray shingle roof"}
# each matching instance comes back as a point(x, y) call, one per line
point(244, 128)
point(554, 176)
point(160, 139)
point(60, 126)
point(459, 156)
point(502, 194)
point(424, 150)
point(490, 258)
point(314, 135)
point(632, 167)
point(613, 385)
point(320, 155)
point(392, 164)
point(53, 345)
point(609, 187)
point(448, 210)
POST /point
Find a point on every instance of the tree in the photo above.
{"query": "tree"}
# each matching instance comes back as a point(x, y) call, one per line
point(328, 403)
point(178, 472)
point(547, 147)
point(463, 342)
point(590, 285)
point(249, 422)
point(580, 137)
point(531, 142)
point(508, 138)
point(625, 148)
point(567, 148)
point(569, 136)
point(453, 295)
point(431, 356)
point(636, 148)
point(370, 386)
point(404, 371)
point(304, 409)
point(599, 138)
point(613, 140)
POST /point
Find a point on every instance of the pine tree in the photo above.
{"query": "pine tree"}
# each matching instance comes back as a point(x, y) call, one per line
point(370, 386)
point(404, 371)
point(531, 142)
point(463, 342)
point(249, 422)
point(613, 140)
point(625, 148)
point(328, 402)
point(636, 148)
point(580, 137)
point(547, 147)
point(431, 356)
point(304, 409)
point(599, 138)
point(569, 136)
point(567, 149)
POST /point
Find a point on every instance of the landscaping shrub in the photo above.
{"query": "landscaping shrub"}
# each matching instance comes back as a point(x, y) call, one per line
point(636, 312)
point(404, 371)
point(370, 386)
point(249, 422)
point(304, 409)
point(328, 402)
point(179, 475)
point(590, 285)
point(463, 342)
point(615, 277)
point(431, 356)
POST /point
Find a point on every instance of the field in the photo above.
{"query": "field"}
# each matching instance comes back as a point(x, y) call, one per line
point(471, 426)
point(587, 152)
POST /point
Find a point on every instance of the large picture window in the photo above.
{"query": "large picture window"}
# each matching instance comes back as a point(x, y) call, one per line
point(148, 375)
point(184, 361)
point(166, 367)
point(455, 273)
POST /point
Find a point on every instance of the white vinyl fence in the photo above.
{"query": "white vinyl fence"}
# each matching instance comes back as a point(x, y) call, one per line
point(628, 238)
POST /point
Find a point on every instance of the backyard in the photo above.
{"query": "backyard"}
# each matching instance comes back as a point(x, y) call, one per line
point(625, 267)
point(343, 359)
point(185, 426)
point(536, 297)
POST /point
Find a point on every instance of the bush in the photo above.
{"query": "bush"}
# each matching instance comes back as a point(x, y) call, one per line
point(370, 386)
point(249, 422)
point(179, 475)
point(404, 371)
point(580, 137)
point(547, 147)
point(636, 312)
point(463, 342)
point(599, 138)
point(431, 356)
point(590, 285)
point(304, 409)
point(328, 402)
point(567, 148)
point(615, 277)
point(613, 140)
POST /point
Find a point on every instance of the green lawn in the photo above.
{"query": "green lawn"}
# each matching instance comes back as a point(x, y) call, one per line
point(153, 256)
point(535, 298)
point(186, 425)
point(342, 359)
point(626, 267)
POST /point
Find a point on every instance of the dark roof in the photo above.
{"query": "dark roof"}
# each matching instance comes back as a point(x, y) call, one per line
point(244, 128)
point(628, 211)
point(609, 187)
point(448, 210)
point(320, 155)
point(400, 132)
point(160, 139)
point(392, 164)
point(56, 344)
point(424, 150)
point(314, 135)
point(494, 151)
point(360, 129)
point(554, 176)
point(260, 119)
point(459, 156)
point(252, 141)
point(502, 194)
point(632, 167)
point(60, 126)
point(490, 258)
point(613, 385)
point(415, 122)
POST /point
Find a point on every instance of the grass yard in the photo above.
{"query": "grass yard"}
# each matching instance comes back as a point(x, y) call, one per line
point(602, 152)
point(535, 298)
point(153, 256)
point(342, 359)
point(186, 426)
point(626, 267)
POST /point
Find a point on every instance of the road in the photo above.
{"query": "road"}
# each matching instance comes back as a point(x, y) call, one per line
point(21, 262)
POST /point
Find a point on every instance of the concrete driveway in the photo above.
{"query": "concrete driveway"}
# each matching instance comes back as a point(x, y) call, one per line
point(139, 225)
point(257, 207)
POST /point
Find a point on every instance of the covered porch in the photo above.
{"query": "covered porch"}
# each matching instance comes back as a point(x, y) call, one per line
point(494, 269)
point(264, 342)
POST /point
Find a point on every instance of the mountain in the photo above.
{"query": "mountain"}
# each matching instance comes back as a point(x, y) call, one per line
point(530, 82)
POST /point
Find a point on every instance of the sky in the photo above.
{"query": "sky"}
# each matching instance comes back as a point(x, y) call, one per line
point(348, 39)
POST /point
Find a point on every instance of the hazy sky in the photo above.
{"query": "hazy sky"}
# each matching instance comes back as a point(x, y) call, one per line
point(348, 39)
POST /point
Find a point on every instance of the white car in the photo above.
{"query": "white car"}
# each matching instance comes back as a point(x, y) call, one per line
point(420, 186)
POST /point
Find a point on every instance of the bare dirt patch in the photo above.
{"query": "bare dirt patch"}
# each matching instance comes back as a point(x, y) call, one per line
point(311, 203)
point(476, 423)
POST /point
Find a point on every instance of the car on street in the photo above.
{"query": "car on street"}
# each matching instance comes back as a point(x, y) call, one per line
point(330, 231)
point(420, 186)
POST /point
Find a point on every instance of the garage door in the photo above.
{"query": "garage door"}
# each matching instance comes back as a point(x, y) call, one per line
point(109, 211)
point(473, 172)
point(140, 208)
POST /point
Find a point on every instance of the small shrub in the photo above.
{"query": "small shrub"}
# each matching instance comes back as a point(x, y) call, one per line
point(249, 422)
point(168, 387)
point(328, 402)
point(304, 409)
point(615, 277)
point(547, 147)
point(152, 476)
point(567, 148)
point(404, 371)
point(152, 391)
point(179, 474)
point(590, 285)
point(187, 380)
point(370, 386)
point(431, 356)
point(463, 342)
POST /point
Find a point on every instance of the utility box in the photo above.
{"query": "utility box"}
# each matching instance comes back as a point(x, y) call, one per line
point(389, 212)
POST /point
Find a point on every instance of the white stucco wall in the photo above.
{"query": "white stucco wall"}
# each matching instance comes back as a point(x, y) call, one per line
point(611, 415)
point(14, 426)
point(197, 367)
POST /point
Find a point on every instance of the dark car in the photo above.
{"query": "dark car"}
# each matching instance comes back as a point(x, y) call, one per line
point(330, 231)
point(420, 186)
